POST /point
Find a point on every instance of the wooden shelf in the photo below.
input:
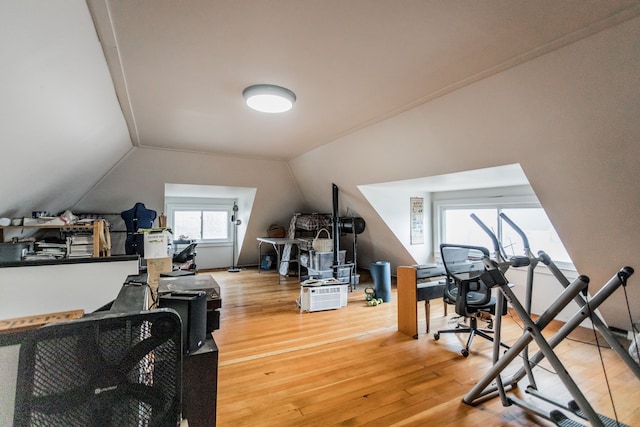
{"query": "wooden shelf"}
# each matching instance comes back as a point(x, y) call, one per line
point(101, 235)
point(87, 226)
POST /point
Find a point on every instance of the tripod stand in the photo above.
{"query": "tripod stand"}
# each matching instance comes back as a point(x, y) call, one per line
point(236, 222)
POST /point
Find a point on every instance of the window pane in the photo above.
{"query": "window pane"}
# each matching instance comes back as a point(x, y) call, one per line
point(215, 225)
point(539, 231)
point(460, 228)
point(187, 224)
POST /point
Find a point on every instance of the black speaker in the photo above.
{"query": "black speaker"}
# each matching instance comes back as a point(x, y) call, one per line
point(213, 320)
point(192, 309)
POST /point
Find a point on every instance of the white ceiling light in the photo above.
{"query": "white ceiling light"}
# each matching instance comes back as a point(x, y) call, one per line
point(269, 98)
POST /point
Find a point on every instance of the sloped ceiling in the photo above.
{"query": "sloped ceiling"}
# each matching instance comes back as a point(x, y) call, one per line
point(180, 67)
point(79, 94)
point(61, 126)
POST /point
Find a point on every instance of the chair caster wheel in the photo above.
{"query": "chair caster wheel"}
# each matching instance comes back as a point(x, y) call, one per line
point(436, 336)
point(464, 352)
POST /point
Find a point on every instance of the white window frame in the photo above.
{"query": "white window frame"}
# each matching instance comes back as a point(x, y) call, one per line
point(173, 204)
point(499, 199)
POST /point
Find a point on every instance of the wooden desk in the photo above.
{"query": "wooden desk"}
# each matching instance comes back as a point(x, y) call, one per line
point(409, 294)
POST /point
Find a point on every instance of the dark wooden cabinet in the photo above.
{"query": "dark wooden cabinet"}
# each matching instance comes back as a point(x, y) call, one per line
point(200, 385)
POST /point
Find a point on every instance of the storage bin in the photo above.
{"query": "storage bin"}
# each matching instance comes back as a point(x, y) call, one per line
point(320, 274)
point(324, 260)
point(343, 272)
point(11, 252)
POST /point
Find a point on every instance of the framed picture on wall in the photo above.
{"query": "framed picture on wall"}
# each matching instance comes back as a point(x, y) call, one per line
point(417, 221)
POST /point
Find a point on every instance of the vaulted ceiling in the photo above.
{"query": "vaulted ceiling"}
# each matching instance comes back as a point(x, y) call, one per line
point(179, 68)
point(551, 85)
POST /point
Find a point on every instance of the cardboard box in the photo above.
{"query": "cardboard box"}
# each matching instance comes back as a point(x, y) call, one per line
point(156, 244)
point(155, 267)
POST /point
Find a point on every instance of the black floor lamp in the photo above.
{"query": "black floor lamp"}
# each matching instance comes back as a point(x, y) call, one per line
point(236, 222)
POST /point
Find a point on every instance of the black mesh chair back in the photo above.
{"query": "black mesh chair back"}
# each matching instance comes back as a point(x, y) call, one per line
point(464, 266)
point(465, 289)
point(107, 369)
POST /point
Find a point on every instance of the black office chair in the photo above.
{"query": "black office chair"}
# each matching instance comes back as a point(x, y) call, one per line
point(185, 258)
point(465, 289)
point(107, 369)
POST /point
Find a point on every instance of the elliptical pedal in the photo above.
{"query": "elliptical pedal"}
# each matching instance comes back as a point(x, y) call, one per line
point(608, 422)
point(561, 420)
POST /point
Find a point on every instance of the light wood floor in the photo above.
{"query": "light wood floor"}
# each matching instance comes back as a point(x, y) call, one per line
point(281, 367)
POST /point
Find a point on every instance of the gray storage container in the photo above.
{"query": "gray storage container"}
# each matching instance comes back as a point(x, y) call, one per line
point(12, 252)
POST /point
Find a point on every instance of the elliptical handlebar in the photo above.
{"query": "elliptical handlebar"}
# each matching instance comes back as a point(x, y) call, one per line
point(496, 244)
point(544, 257)
point(514, 261)
point(523, 236)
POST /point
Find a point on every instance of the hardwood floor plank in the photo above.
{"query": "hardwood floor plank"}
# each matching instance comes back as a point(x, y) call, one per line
point(351, 367)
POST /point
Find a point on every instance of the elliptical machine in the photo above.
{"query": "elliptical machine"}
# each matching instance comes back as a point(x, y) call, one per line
point(493, 383)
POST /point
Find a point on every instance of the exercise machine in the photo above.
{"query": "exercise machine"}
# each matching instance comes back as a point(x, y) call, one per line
point(493, 383)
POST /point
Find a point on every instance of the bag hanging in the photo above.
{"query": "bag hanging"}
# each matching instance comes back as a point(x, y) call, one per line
point(323, 244)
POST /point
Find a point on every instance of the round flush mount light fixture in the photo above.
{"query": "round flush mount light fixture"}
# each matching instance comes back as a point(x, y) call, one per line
point(269, 98)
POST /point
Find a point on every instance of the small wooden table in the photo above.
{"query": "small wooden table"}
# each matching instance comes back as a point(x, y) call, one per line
point(409, 293)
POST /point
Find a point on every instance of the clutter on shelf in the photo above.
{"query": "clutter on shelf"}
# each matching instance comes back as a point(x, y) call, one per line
point(44, 237)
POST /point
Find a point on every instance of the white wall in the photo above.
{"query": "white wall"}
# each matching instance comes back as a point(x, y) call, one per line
point(34, 290)
point(393, 208)
point(211, 255)
point(570, 118)
point(142, 175)
point(545, 289)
